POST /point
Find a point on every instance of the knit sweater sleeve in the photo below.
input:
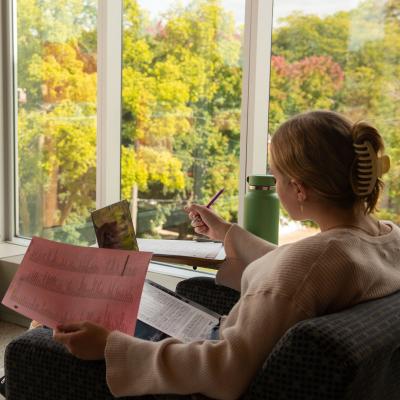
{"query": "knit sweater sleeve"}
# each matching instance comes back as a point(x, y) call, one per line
point(242, 248)
point(220, 369)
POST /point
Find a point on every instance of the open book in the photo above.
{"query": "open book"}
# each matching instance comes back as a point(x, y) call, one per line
point(114, 229)
point(58, 283)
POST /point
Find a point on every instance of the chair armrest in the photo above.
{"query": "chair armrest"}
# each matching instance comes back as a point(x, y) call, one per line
point(352, 354)
point(37, 367)
point(206, 292)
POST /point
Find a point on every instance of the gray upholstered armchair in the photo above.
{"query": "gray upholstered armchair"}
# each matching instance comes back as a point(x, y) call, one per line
point(354, 354)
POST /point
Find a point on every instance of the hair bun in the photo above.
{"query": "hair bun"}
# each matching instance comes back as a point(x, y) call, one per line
point(363, 132)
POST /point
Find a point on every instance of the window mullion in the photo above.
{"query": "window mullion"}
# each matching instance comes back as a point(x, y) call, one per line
point(2, 125)
point(254, 124)
point(7, 128)
point(109, 102)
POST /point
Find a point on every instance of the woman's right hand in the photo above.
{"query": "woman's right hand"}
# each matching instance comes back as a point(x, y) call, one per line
point(206, 222)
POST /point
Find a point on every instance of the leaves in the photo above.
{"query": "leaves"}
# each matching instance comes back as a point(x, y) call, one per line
point(181, 101)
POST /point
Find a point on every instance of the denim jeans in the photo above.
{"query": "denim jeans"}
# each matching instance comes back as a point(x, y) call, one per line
point(147, 332)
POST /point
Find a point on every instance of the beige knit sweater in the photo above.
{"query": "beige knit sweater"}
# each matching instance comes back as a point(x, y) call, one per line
point(279, 286)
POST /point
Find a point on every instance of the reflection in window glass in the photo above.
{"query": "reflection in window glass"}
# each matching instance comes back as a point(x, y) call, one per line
point(56, 118)
point(342, 56)
point(182, 76)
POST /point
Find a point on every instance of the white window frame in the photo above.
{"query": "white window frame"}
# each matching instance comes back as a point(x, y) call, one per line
point(254, 109)
point(255, 93)
point(8, 173)
point(109, 89)
point(2, 128)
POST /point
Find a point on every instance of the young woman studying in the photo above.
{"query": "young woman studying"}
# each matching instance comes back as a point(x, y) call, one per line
point(327, 170)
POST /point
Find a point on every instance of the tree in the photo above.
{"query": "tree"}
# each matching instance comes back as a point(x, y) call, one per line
point(182, 88)
point(363, 46)
point(56, 118)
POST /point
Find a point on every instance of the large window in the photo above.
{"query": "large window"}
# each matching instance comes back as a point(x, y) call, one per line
point(181, 107)
point(55, 87)
point(342, 56)
point(193, 101)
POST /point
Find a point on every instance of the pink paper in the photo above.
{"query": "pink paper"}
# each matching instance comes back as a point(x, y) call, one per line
point(58, 283)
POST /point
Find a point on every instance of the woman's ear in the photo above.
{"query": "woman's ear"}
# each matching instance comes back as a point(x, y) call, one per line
point(300, 190)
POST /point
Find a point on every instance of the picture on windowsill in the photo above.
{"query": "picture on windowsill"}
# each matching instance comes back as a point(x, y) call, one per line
point(114, 228)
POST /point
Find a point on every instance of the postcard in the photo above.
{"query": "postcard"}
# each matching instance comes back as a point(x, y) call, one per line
point(114, 228)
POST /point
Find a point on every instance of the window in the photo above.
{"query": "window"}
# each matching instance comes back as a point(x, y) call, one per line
point(181, 110)
point(184, 73)
point(342, 56)
point(193, 101)
point(55, 104)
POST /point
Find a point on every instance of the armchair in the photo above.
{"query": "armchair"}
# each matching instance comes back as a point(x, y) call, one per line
point(353, 354)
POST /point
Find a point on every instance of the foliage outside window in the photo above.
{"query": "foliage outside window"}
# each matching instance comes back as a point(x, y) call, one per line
point(56, 79)
point(181, 100)
point(181, 96)
point(182, 82)
point(347, 61)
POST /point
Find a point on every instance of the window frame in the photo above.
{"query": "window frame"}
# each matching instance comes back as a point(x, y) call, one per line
point(254, 107)
point(7, 195)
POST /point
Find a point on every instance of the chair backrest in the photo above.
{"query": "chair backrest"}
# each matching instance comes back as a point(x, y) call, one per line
point(353, 354)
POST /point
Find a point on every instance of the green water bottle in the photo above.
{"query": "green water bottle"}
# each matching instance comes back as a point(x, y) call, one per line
point(261, 208)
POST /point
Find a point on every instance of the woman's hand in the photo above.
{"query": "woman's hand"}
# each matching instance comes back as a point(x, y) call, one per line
point(85, 340)
point(206, 222)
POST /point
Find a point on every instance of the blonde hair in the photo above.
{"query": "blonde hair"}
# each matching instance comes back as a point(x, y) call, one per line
point(317, 149)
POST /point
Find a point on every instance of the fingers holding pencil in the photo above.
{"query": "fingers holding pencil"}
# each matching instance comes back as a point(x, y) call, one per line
point(206, 222)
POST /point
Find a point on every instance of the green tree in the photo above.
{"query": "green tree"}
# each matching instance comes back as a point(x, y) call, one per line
point(182, 89)
point(365, 44)
point(56, 116)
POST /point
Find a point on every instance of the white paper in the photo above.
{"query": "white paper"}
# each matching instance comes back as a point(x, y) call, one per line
point(186, 248)
point(173, 316)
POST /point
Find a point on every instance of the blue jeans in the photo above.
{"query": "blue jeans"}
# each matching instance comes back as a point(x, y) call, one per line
point(147, 332)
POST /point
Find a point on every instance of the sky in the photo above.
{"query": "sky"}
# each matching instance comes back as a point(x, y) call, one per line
point(281, 7)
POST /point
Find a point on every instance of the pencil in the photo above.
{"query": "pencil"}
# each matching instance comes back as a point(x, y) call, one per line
point(211, 202)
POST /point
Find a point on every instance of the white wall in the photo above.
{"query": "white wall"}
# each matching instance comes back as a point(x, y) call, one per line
point(2, 119)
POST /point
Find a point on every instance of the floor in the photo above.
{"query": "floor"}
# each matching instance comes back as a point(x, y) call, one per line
point(7, 333)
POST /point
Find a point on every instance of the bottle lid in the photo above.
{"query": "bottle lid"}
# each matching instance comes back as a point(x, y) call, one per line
point(261, 180)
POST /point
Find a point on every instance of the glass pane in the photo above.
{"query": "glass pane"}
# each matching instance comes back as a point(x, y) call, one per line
point(343, 56)
point(56, 48)
point(182, 78)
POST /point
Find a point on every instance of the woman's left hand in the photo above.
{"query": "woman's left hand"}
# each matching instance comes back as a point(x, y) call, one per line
point(85, 340)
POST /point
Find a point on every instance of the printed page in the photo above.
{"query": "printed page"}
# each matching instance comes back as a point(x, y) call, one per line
point(58, 283)
point(173, 316)
point(90, 260)
point(186, 248)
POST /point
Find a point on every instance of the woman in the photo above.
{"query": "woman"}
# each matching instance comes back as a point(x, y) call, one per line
point(327, 170)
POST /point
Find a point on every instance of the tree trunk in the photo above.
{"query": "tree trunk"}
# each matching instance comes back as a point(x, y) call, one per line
point(49, 202)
